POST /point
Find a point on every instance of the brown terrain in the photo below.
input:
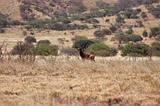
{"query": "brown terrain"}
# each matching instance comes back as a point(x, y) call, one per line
point(67, 80)
point(75, 83)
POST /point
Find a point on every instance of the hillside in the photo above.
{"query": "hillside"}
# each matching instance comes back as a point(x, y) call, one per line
point(139, 19)
point(79, 53)
point(44, 9)
point(10, 7)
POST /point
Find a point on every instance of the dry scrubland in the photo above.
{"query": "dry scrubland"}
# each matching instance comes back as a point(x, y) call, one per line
point(65, 81)
point(53, 82)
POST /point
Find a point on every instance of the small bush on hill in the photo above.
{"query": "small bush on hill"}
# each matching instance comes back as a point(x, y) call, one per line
point(156, 49)
point(100, 34)
point(56, 24)
point(100, 49)
point(64, 20)
point(122, 37)
point(92, 21)
point(3, 20)
point(125, 38)
point(3, 23)
point(131, 14)
point(30, 39)
point(95, 14)
point(145, 33)
point(155, 11)
point(46, 50)
point(113, 28)
point(135, 50)
point(83, 44)
point(61, 27)
point(130, 30)
point(120, 19)
point(134, 38)
point(155, 31)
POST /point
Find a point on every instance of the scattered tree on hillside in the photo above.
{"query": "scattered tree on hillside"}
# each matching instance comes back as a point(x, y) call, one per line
point(120, 19)
point(145, 33)
point(130, 30)
point(30, 39)
point(155, 31)
point(100, 34)
point(135, 50)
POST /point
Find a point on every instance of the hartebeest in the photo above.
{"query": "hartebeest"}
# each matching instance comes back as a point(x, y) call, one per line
point(86, 56)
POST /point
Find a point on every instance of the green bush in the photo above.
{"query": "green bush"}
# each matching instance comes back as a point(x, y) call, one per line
point(113, 28)
point(130, 30)
point(135, 50)
point(131, 14)
point(155, 31)
point(120, 19)
point(155, 11)
point(122, 37)
point(30, 39)
point(156, 49)
point(92, 21)
point(125, 38)
point(100, 49)
point(145, 33)
point(100, 34)
point(134, 38)
point(4, 21)
point(83, 44)
point(46, 50)
point(60, 24)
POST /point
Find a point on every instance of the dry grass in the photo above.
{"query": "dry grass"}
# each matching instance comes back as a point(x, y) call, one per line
point(62, 82)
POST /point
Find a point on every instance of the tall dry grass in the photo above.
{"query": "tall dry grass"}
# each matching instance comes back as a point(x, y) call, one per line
point(72, 82)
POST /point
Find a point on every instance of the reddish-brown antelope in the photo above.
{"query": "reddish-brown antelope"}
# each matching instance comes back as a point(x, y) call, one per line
point(86, 56)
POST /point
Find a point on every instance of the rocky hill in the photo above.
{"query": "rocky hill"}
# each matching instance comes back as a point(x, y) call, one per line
point(46, 9)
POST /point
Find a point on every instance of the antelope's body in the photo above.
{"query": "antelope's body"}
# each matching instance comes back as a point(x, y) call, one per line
point(86, 56)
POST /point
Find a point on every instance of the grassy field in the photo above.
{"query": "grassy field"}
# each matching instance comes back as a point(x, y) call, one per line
point(63, 82)
point(69, 81)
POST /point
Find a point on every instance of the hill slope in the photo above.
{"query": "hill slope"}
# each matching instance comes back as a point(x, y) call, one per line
point(27, 9)
point(10, 7)
point(44, 9)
